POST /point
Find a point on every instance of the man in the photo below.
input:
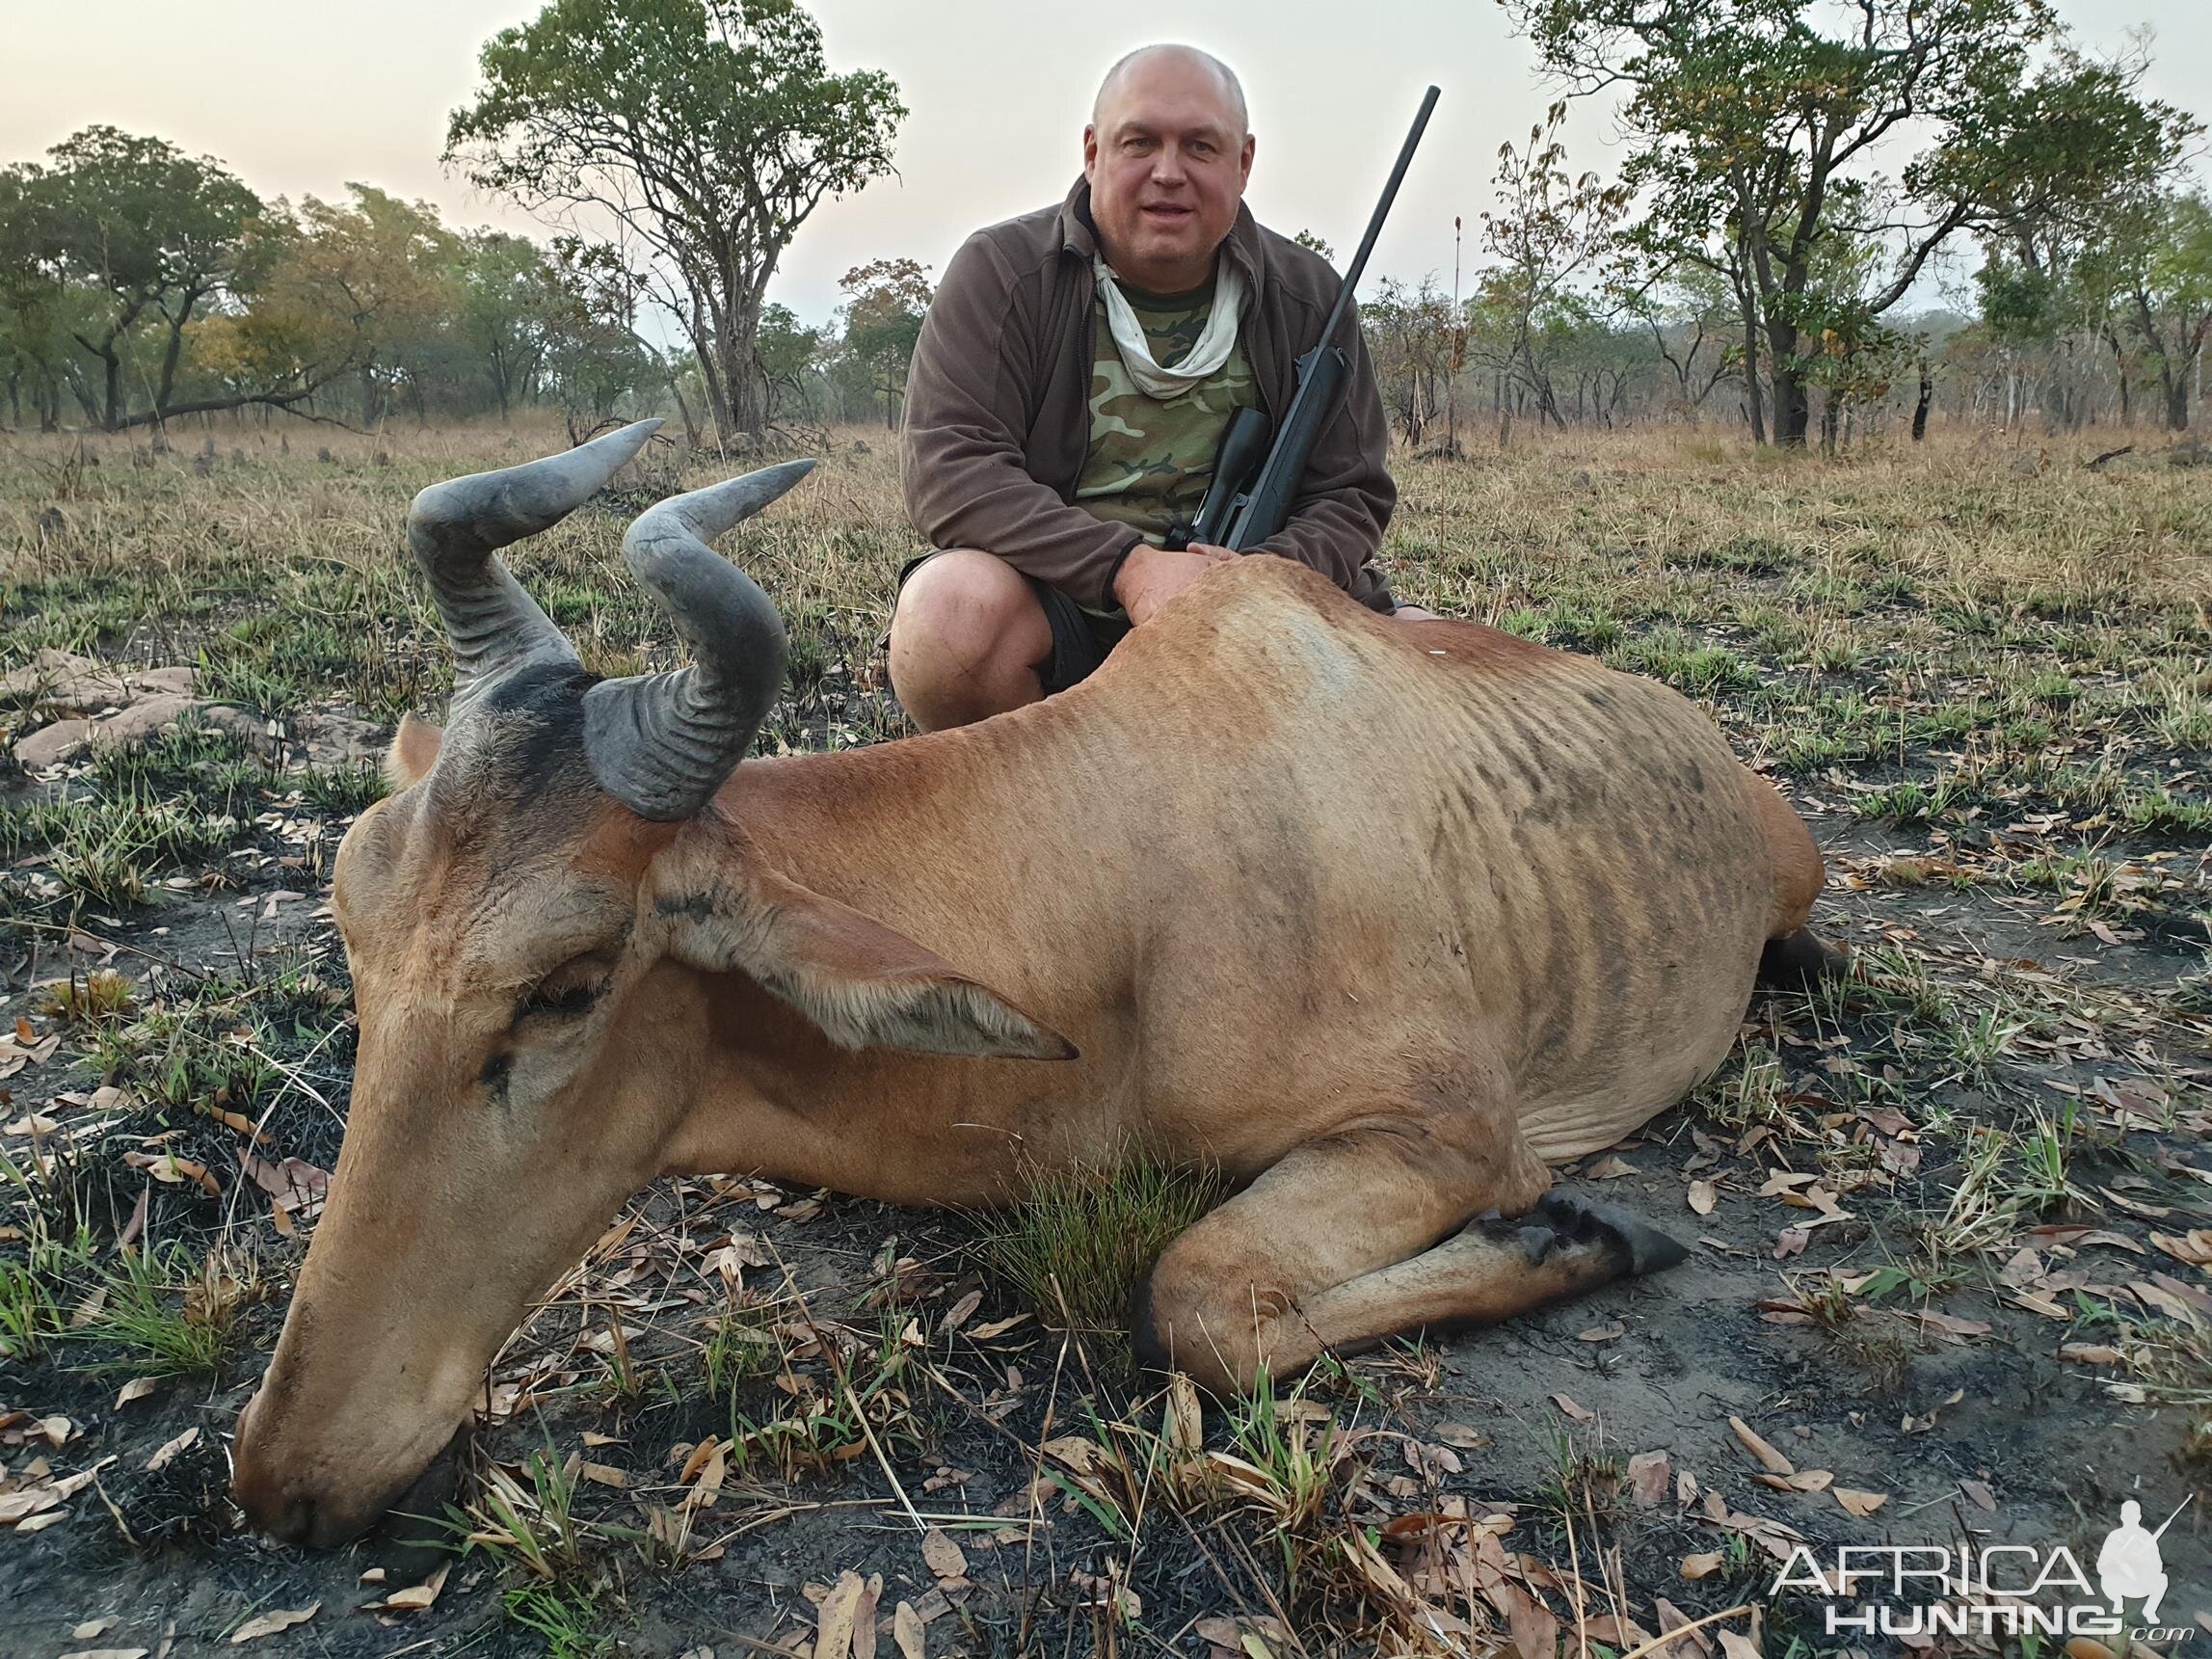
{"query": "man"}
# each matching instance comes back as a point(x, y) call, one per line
point(1070, 387)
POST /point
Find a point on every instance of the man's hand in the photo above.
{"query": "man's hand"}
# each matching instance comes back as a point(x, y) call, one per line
point(1150, 576)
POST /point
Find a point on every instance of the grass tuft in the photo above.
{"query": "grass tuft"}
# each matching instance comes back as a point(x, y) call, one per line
point(1079, 1241)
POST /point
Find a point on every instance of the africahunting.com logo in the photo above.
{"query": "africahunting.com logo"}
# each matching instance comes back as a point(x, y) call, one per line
point(1990, 1589)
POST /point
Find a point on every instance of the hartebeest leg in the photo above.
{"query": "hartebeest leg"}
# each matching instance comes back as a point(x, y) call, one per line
point(1337, 1248)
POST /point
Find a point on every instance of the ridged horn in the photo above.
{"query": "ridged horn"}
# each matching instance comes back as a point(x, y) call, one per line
point(456, 526)
point(663, 743)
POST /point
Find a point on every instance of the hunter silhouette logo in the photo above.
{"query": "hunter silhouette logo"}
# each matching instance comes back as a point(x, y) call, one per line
point(2130, 1562)
point(1990, 1588)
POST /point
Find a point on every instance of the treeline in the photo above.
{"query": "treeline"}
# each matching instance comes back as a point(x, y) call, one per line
point(1790, 173)
point(139, 284)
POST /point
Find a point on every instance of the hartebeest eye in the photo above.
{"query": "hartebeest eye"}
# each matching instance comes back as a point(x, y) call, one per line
point(568, 990)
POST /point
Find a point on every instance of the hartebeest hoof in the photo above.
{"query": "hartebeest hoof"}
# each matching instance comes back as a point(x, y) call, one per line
point(1800, 960)
point(1562, 1221)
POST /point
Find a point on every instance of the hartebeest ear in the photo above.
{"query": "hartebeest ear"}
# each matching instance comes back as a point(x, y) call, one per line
point(865, 984)
point(412, 753)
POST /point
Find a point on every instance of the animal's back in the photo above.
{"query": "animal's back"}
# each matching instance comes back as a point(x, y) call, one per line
point(1575, 853)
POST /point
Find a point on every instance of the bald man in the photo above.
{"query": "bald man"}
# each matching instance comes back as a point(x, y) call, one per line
point(1070, 387)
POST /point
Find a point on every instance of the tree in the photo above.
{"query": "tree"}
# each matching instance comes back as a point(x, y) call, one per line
point(34, 341)
point(2160, 265)
point(785, 351)
point(1685, 314)
point(378, 279)
point(701, 133)
point(1548, 230)
point(505, 290)
point(135, 226)
point(885, 301)
point(1413, 341)
point(1754, 127)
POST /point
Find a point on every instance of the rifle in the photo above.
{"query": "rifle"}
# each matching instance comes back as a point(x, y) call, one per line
point(1242, 510)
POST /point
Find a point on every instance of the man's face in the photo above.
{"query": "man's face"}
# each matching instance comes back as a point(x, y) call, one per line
point(1167, 159)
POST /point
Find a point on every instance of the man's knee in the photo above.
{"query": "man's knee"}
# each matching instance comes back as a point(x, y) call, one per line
point(967, 635)
point(965, 605)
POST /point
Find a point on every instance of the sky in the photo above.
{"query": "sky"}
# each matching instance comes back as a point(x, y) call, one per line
point(301, 98)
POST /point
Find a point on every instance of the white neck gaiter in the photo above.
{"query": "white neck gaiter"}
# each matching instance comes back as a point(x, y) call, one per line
point(1215, 341)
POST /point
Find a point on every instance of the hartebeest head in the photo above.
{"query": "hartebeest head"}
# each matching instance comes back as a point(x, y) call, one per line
point(534, 921)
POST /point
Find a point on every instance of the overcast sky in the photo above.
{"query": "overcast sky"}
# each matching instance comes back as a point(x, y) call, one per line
point(301, 98)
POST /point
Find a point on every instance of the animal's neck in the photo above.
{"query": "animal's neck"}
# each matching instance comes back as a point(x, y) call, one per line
point(939, 839)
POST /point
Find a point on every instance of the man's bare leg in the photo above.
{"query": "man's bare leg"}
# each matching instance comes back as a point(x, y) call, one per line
point(968, 640)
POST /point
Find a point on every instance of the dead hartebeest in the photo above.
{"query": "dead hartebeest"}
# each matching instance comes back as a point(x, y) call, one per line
point(1373, 916)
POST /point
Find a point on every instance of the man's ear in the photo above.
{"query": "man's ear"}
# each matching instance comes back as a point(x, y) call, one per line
point(412, 753)
point(864, 984)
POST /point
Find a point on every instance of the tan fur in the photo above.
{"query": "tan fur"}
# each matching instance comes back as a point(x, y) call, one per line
point(1375, 917)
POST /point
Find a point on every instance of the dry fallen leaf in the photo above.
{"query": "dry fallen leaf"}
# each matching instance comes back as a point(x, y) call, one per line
point(1610, 1169)
point(169, 1449)
point(944, 1556)
point(1703, 1195)
point(2194, 1247)
point(1979, 1491)
point(1604, 1333)
point(269, 1623)
point(1772, 1460)
point(833, 1624)
point(2090, 1352)
point(1647, 1479)
point(167, 1166)
point(1858, 1503)
point(962, 1311)
point(1702, 1564)
point(1735, 1647)
point(136, 1388)
point(416, 1597)
point(18, 1507)
point(90, 1628)
point(1580, 1414)
point(105, 1653)
point(906, 1630)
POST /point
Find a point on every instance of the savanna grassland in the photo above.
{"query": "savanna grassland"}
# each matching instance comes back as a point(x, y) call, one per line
point(1952, 1218)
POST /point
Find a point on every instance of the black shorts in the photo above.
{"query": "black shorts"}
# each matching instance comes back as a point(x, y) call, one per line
point(1080, 640)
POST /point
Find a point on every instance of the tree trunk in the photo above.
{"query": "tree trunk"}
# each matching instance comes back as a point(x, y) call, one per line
point(1793, 405)
point(113, 401)
point(1920, 406)
point(2177, 402)
point(1751, 379)
point(733, 352)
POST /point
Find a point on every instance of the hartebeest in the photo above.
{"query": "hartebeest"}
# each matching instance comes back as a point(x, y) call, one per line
point(1373, 916)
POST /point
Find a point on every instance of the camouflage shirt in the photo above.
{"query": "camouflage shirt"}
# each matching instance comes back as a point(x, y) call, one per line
point(1149, 460)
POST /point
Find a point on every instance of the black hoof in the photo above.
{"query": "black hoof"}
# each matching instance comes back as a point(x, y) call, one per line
point(1639, 1246)
point(1800, 960)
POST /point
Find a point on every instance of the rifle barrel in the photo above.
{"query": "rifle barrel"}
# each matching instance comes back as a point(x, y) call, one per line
point(1358, 265)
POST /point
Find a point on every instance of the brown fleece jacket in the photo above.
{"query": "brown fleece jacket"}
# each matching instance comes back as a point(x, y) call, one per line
point(997, 413)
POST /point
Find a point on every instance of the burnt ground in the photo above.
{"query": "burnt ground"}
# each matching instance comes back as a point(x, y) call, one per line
point(1951, 1230)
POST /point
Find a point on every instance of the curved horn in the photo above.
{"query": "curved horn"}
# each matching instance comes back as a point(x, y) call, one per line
point(663, 743)
point(454, 528)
